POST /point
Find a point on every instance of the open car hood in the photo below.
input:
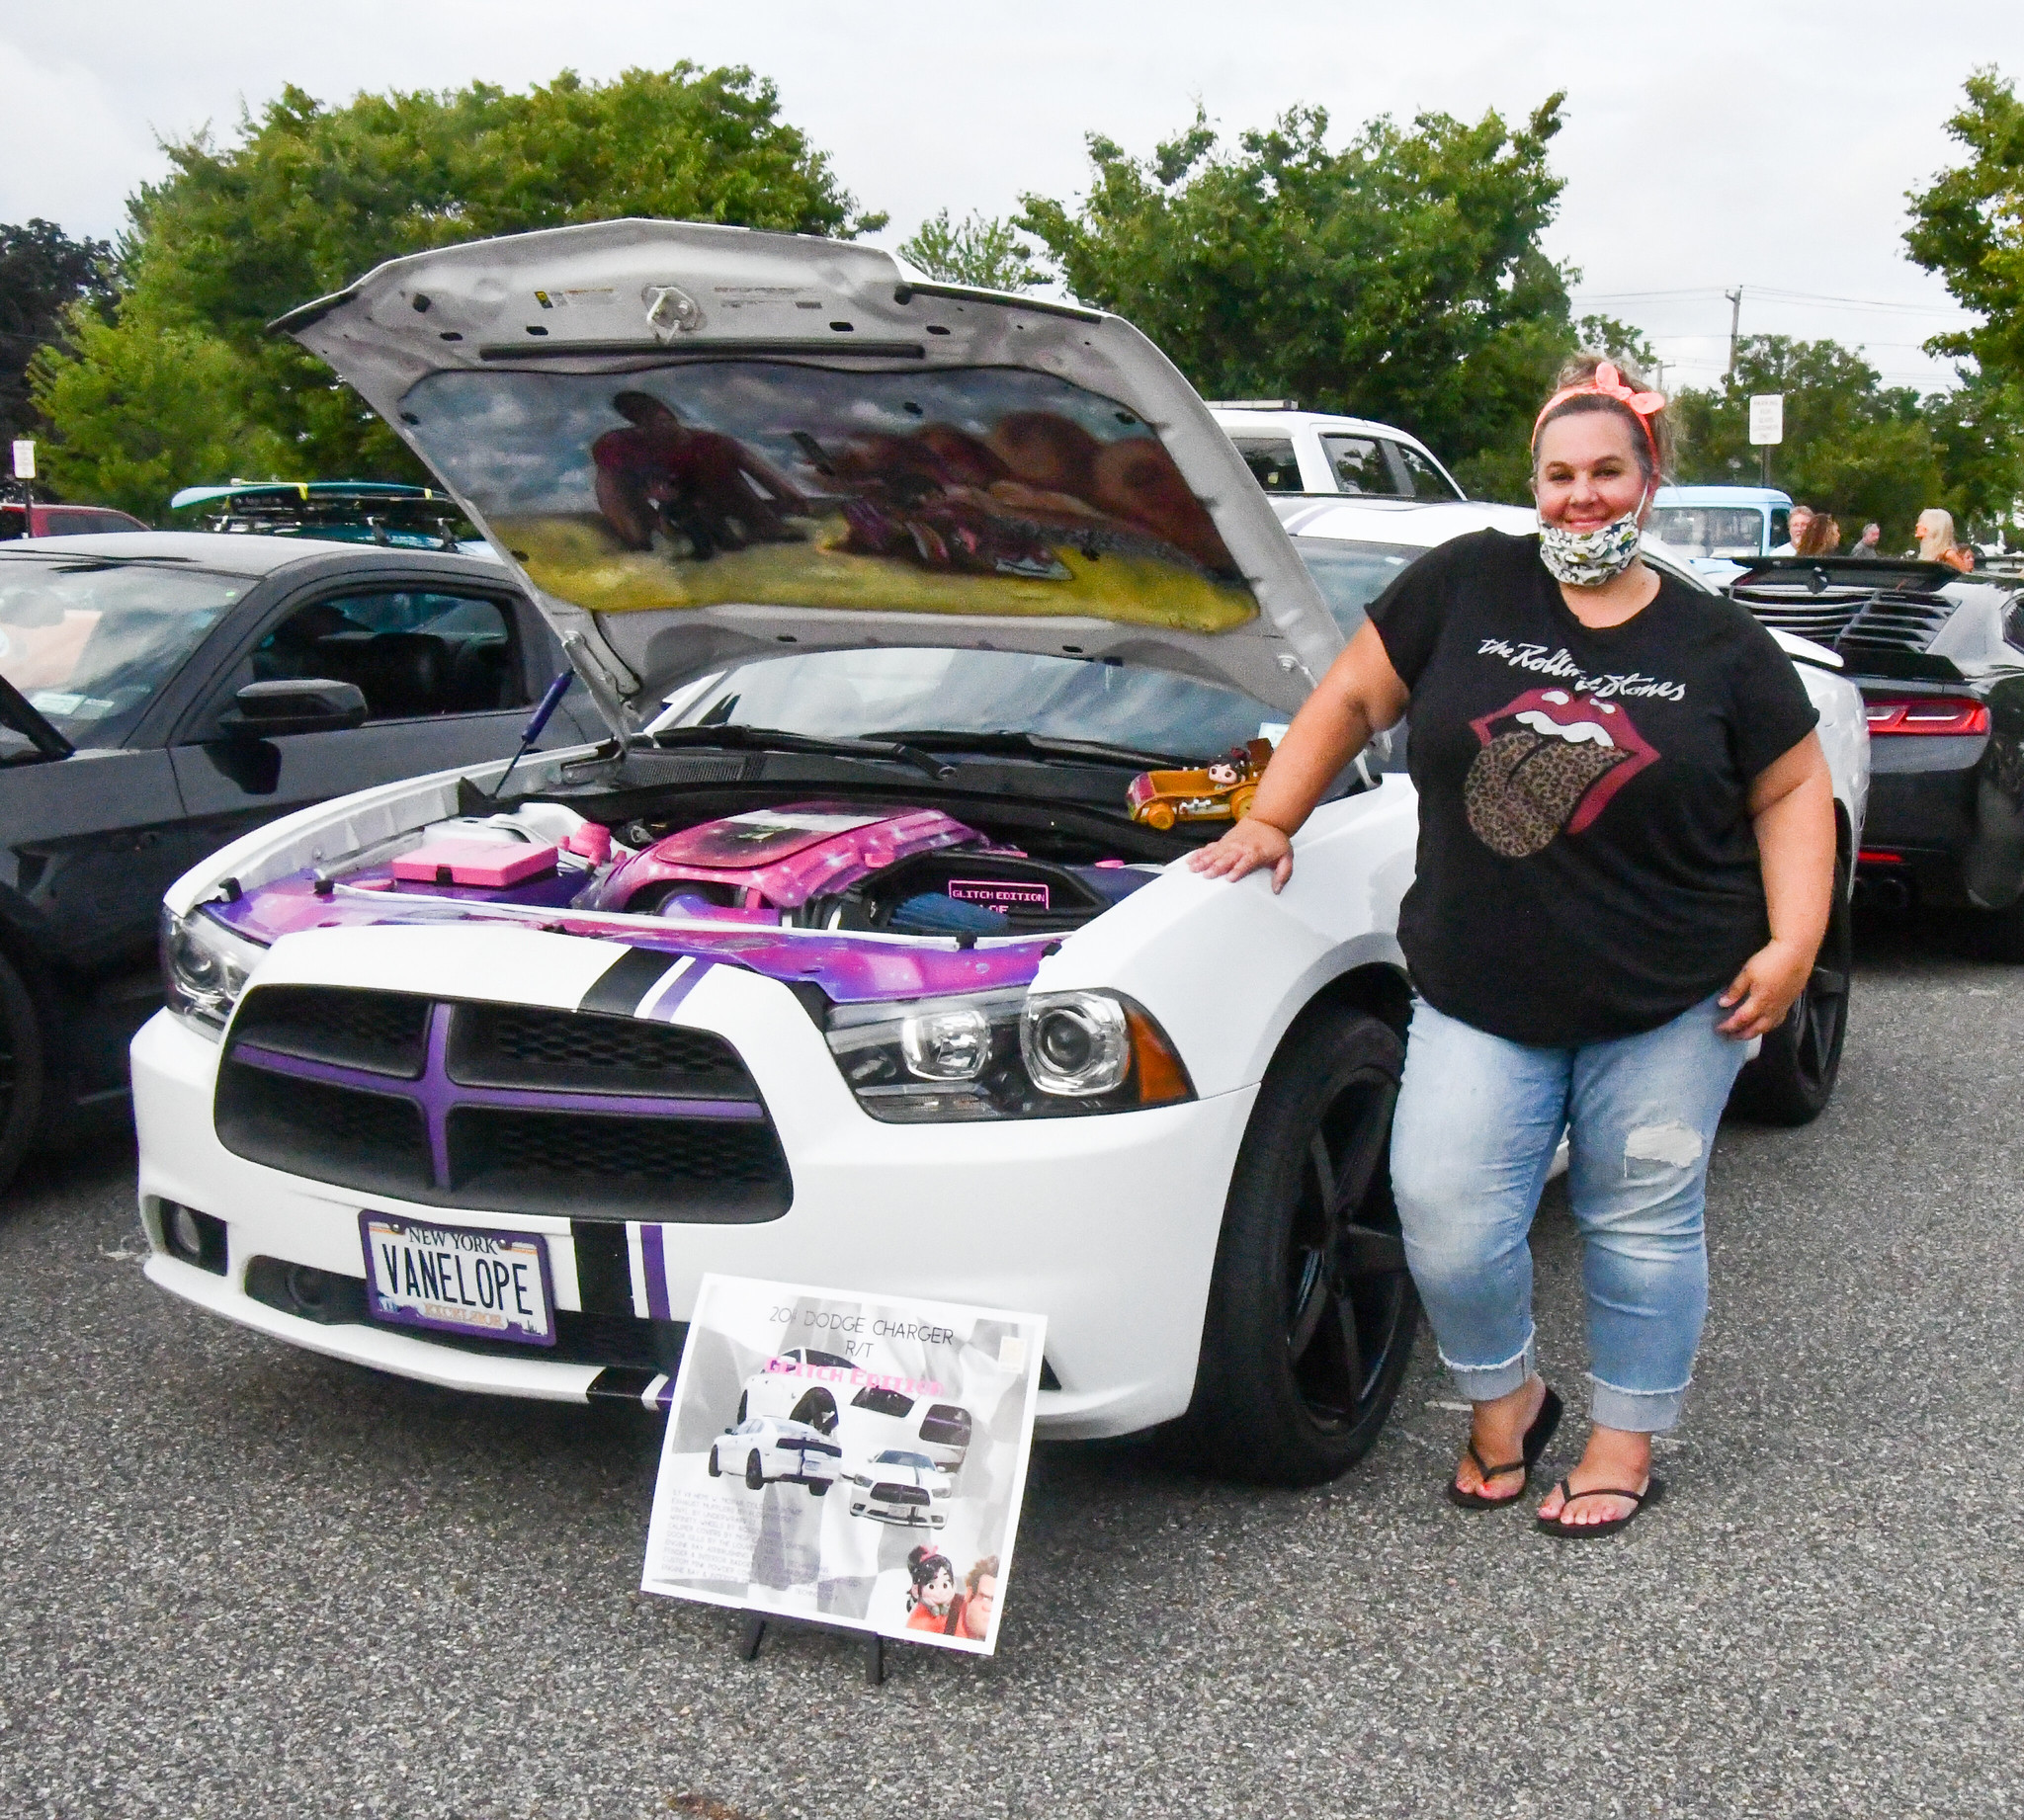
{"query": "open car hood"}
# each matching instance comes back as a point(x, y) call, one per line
point(705, 445)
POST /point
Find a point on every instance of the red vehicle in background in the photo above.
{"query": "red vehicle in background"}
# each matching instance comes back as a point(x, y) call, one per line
point(37, 520)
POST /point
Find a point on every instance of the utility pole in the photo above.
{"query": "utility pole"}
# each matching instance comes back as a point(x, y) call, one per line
point(1736, 316)
point(1661, 367)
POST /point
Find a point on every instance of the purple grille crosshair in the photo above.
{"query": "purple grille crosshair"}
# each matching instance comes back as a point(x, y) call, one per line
point(437, 1096)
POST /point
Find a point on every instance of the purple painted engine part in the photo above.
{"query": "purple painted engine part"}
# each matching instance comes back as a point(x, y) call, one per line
point(782, 856)
point(850, 968)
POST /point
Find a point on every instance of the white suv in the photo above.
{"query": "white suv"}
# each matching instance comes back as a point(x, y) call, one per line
point(1291, 450)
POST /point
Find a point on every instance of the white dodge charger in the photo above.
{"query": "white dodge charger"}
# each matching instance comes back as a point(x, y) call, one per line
point(854, 969)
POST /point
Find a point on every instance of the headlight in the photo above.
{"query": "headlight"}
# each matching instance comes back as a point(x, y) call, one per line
point(1005, 1056)
point(205, 967)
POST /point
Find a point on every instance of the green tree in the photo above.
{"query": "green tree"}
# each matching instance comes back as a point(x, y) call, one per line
point(1968, 227)
point(309, 197)
point(1853, 446)
point(1399, 277)
point(43, 273)
point(144, 409)
point(979, 250)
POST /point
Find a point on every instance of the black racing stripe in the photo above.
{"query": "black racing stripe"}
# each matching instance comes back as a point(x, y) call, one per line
point(619, 1384)
point(604, 1269)
point(625, 981)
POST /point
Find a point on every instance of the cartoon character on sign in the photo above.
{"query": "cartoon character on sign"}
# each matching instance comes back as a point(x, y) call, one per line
point(1551, 761)
point(971, 1617)
point(933, 1592)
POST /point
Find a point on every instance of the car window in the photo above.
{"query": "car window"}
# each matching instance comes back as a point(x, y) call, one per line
point(1423, 476)
point(411, 652)
point(89, 644)
point(1359, 466)
point(1352, 575)
point(1272, 462)
point(881, 1402)
point(1709, 531)
point(852, 693)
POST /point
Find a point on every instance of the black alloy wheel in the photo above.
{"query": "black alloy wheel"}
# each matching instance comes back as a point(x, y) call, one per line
point(1792, 1076)
point(755, 1473)
point(21, 1071)
point(1312, 1313)
point(715, 1471)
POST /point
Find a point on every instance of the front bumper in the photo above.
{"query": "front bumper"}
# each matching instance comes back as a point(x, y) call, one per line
point(1106, 1224)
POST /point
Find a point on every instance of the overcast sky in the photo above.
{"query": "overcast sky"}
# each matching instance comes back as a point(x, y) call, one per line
point(1766, 143)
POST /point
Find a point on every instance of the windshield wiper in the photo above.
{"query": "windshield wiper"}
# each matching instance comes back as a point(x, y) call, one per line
point(771, 739)
point(17, 711)
point(1045, 745)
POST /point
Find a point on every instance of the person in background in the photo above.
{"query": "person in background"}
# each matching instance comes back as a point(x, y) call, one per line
point(1820, 537)
point(1866, 544)
point(1795, 528)
point(1935, 534)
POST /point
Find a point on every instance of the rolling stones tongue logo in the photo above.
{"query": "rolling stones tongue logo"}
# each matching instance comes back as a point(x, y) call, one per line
point(1550, 761)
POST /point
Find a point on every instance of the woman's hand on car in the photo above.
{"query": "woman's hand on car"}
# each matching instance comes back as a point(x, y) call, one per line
point(1251, 845)
point(1764, 991)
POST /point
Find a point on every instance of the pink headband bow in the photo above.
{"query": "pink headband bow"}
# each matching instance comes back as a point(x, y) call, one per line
point(1606, 383)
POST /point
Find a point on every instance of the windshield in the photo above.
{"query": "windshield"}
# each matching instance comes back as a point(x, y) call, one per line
point(1352, 575)
point(89, 643)
point(1709, 531)
point(836, 695)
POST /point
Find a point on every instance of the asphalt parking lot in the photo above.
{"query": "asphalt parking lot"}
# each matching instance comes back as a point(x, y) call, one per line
point(238, 1580)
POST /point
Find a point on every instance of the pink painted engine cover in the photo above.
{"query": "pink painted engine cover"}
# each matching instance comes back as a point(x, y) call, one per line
point(781, 858)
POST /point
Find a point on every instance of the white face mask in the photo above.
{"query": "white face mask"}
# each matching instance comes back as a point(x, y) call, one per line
point(1589, 559)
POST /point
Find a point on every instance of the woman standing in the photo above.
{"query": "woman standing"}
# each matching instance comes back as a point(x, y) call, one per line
point(1626, 865)
point(1935, 534)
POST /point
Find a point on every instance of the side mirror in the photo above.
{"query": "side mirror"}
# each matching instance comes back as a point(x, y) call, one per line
point(265, 711)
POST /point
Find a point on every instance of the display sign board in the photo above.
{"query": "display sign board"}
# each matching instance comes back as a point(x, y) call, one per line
point(845, 1459)
point(25, 458)
point(1767, 419)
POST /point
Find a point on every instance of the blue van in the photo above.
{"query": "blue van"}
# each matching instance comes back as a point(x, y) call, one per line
point(1708, 525)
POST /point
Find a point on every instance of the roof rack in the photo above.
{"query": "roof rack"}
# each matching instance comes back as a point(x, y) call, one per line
point(1252, 404)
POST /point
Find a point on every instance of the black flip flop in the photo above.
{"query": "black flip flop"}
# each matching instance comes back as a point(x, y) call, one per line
point(1537, 1438)
point(1641, 1502)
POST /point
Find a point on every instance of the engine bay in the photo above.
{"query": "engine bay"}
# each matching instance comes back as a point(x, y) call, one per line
point(817, 863)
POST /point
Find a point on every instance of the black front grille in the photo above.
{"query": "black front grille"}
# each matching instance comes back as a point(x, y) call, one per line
point(339, 1086)
point(677, 1169)
point(385, 1033)
point(899, 1494)
point(374, 1141)
point(527, 1045)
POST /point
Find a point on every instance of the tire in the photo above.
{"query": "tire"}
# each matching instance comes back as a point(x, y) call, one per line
point(23, 1073)
point(755, 1473)
point(1792, 1076)
point(1159, 816)
point(820, 1489)
point(1240, 802)
point(1311, 1314)
point(715, 1471)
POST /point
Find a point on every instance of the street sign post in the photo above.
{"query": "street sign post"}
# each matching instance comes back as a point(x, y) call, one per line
point(1767, 426)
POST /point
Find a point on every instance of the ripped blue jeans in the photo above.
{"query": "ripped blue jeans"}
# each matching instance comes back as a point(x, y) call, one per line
point(1478, 1122)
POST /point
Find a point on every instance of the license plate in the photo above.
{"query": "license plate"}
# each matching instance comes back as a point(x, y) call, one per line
point(458, 1279)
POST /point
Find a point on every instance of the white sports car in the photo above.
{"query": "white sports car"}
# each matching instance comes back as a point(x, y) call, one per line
point(856, 970)
point(762, 1450)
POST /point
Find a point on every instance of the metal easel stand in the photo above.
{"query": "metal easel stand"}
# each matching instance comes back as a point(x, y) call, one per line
point(753, 1632)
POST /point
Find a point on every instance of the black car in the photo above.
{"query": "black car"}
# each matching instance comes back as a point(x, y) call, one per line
point(162, 693)
point(1939, 657)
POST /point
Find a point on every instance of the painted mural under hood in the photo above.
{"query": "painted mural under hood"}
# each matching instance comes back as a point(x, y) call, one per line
point(704, 445)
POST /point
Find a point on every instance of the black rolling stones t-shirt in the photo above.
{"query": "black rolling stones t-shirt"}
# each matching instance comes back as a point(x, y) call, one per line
point(1587, 868)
